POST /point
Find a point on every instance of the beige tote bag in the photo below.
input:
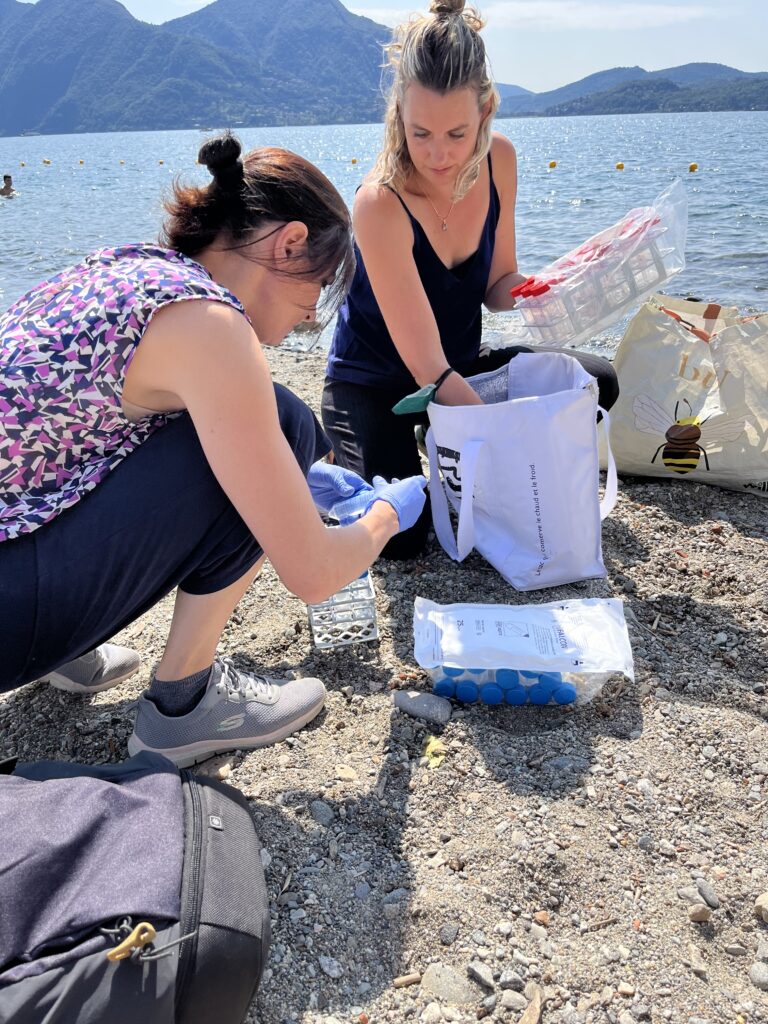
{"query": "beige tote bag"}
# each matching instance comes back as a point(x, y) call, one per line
point(694, 395)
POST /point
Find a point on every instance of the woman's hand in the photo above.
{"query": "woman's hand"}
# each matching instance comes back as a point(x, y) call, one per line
point(406, 497)
point(329, 484)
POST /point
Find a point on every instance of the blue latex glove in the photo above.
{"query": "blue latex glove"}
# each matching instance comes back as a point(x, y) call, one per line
point(330, 484)
point(406, 497)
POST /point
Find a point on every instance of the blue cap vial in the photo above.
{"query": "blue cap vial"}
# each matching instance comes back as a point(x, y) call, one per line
point(565, 693)
point(491, 694)
point(467, 691)
point(444, 688)
point(516, 695)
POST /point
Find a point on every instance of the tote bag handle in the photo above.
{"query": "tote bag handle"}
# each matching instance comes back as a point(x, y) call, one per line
point(457, 547)
point(611, 483)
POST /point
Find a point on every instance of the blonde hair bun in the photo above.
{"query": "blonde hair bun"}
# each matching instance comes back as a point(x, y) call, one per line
point(438, 7)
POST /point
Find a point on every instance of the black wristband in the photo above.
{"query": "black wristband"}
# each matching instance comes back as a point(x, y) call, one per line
point(441, 378)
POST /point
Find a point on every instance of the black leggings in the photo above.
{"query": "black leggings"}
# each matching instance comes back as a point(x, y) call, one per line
point(370, 439)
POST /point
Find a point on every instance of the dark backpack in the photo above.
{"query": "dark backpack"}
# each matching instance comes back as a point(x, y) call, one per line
point(128, 892)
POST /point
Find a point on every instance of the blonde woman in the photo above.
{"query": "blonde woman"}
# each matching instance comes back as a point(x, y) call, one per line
point(434, 228)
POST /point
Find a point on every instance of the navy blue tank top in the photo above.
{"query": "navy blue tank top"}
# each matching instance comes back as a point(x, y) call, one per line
point(362, 350)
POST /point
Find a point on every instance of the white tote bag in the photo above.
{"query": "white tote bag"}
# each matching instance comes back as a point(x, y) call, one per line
point(694, 395)
point(522, 472)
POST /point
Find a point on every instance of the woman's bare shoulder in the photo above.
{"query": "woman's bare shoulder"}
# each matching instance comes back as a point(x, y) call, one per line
point(503, 151)
point(378, 212)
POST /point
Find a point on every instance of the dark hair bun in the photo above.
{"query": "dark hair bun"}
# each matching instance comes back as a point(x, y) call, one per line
point(222, 158)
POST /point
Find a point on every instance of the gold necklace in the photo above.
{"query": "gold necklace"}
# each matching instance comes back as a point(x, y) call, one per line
point(443, 220)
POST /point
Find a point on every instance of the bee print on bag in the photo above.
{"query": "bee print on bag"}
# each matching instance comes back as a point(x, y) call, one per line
point(680, 450)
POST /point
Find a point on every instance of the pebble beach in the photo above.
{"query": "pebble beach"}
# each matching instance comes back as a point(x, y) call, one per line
point(569, 865)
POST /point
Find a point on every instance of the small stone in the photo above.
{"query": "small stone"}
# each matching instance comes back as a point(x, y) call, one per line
point(345, 774)
point(721, 638)
point(448, 933)
point(330, 966)
point(511, 980)
point(699, 913)
point(538, 932)
point(625, 989)
point(734, 949)
point(761, 907)
point(481, 973)
point(513, 1000)
point(758, 975)
point(646, 843)
point(322, 813)
point(266, 858)
point(431, 1013)
point(445, 983)
point(362, 891)
point(708, 893)
point(297, 915)
point(392, 911)
point(541, 916)
point(689, 893)
point(666, 849)
point(396, 896)
point(427, 706)
point(490, 1003)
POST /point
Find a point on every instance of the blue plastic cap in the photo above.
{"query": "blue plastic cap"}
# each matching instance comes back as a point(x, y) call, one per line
point(565, 694)
point(516, 695)
point(450, 670)
point(540, 693)
point(444, 688)
point(467, 692)
point(551, 678)
point(507, 677)
point(491, 694)
point(476, 671)
point(529, 675)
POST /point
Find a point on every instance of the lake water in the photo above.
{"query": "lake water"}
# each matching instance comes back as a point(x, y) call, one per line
point(106, 189)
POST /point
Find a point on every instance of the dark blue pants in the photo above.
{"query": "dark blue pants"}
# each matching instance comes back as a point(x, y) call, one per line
point(157, 521)
point(370, 439)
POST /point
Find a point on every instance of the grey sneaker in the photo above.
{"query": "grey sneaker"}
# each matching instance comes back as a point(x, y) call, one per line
point(237, 712)
point(97, 670)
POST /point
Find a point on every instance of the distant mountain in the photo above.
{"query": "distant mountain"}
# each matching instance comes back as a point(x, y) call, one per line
point(89, 65)
point(664, 96)
point(511, 90)
point(635, 90)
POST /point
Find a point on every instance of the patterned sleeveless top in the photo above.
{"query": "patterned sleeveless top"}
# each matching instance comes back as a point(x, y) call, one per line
point(65, 347)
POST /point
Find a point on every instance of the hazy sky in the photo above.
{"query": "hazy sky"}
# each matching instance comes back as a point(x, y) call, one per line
point(542, 44)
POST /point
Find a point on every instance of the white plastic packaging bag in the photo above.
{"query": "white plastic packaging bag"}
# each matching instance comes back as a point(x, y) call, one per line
point(594, 285)
point(522, 473)
point(519, 654)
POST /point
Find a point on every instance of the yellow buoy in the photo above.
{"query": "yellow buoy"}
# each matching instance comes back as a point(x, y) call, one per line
point(46, 161)
point(553, 163)
point(619, 166)
point(122, 162)
point(693, 167)
point(82, 162)
point(161, 161)
point(354, 160)
point(22, 164)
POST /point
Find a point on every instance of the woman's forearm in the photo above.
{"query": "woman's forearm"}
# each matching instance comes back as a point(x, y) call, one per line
point(497, 298)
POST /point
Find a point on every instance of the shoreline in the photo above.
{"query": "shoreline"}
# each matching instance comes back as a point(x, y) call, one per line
point(555, 853)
